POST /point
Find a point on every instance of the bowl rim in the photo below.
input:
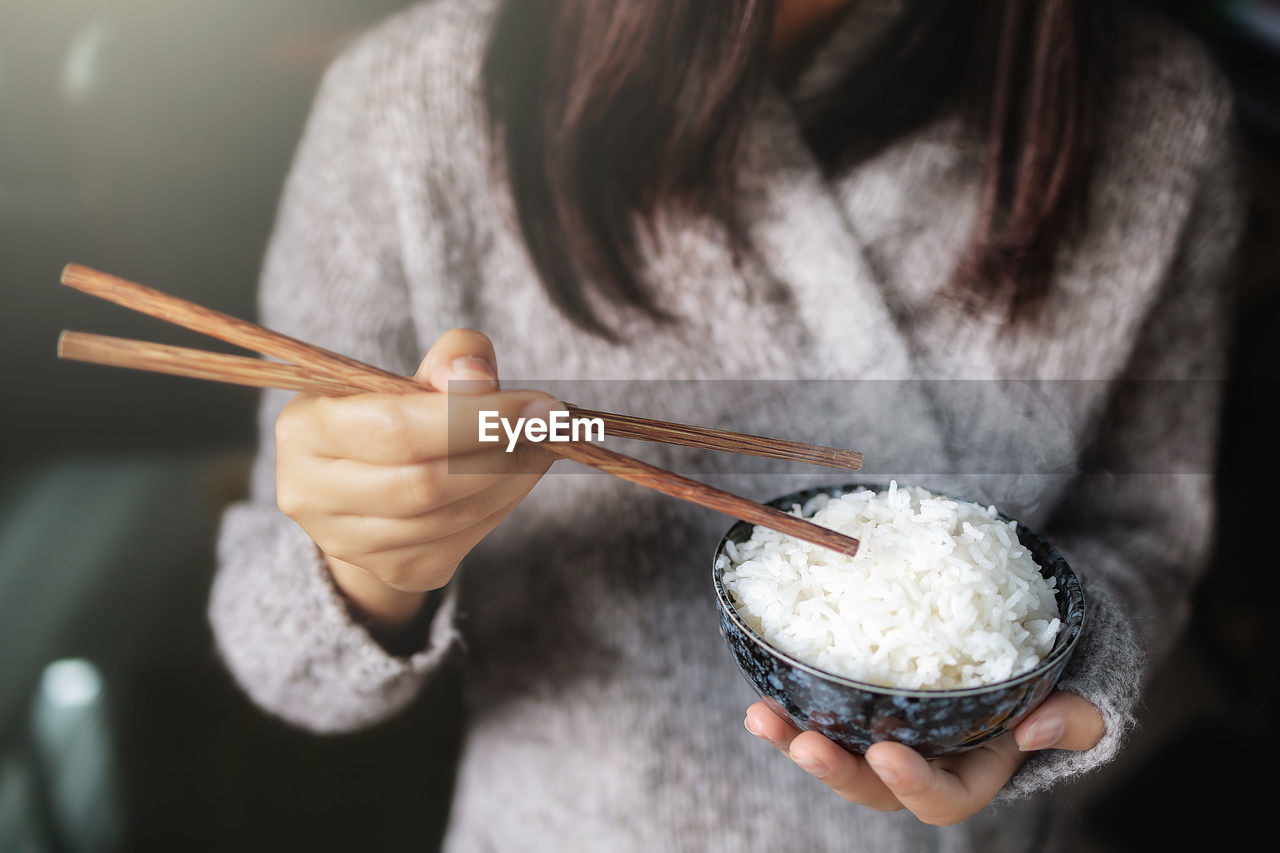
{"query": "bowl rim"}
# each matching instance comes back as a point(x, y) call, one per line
point(730, 611)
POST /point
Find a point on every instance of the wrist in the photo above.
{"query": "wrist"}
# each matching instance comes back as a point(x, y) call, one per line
point(383, 607)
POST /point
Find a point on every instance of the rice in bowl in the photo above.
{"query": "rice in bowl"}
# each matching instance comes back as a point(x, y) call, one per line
point(940, 596)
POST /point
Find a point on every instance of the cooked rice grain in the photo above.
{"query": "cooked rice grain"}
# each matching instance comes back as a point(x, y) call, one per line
point(941, 595)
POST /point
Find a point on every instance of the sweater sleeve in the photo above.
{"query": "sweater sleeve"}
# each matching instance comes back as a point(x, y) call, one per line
point(329, 278)
point(1139, 521)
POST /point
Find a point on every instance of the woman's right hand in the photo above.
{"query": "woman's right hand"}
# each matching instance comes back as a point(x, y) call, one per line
point(367, 477)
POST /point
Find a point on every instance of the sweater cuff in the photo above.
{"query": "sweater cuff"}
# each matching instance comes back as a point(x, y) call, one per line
point(1107, 670)
point(285, 632)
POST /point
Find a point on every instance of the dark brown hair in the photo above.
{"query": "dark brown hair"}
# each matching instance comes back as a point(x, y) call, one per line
point(605, 111)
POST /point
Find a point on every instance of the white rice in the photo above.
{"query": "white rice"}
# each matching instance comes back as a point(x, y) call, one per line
point(941, 594)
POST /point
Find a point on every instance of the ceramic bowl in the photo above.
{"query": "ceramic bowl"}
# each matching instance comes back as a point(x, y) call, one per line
point(855, 714)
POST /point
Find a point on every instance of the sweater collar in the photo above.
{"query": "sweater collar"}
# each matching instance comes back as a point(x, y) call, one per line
point(859, 29)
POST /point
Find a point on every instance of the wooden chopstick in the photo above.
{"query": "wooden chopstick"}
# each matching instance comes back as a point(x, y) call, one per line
point(705, 438)
point(727, 503)
point(253, 337)
point(321, 371)
point(197, 364)
point(240, 370)
point(233, 330)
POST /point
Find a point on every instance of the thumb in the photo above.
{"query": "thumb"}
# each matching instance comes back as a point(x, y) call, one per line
point(1063, 721)
point(461, 361)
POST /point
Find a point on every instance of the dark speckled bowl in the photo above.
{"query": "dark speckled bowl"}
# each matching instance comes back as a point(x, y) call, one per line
point(856, 715)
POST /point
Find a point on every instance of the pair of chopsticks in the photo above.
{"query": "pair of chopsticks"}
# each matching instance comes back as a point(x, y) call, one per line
point(315, 370)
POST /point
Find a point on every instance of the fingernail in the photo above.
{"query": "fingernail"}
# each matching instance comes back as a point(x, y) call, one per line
point(813, 766)
point(747, 725)
point(885, 771)
point(541, 410)
point(1044, 733)
point(474, 368)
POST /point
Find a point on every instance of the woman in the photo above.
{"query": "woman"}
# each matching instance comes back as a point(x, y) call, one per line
point(749, 190)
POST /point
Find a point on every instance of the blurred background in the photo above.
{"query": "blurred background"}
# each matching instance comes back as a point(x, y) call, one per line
point(150, 138)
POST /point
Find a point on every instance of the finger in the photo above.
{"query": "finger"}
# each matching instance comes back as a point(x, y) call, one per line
point(947, 790)
point(1063, 721)
point(347, 536)
point(473, 509)
point(460, 361)
point(762, 722)
point(424, 566)
point(383, 545)
point(401, 429)
point(842, 771)
point(352, 487)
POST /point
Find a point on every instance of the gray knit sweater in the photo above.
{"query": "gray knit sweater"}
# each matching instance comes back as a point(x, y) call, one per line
point(603, 711)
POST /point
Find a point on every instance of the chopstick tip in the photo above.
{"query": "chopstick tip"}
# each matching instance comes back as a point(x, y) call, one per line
point(78, 275)
point(846, 548)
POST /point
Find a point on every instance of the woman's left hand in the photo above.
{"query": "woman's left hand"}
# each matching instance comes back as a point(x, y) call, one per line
point(945, 790)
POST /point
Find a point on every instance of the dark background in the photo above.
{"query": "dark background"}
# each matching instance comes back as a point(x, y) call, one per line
point(150, 138)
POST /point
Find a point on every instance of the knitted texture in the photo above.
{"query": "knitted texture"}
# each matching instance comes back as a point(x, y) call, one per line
point(603, 711)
